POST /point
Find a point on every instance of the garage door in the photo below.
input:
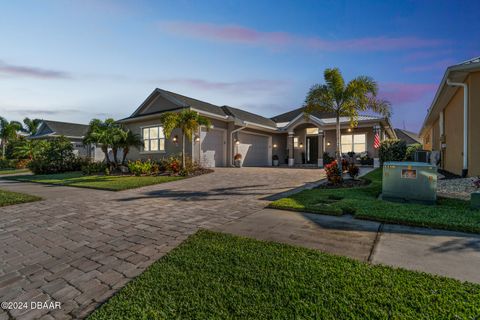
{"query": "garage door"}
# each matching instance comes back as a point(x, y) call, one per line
point(212, 148)
point(254, 149)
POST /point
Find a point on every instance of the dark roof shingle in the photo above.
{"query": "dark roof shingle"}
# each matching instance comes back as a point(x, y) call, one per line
point(58, 128)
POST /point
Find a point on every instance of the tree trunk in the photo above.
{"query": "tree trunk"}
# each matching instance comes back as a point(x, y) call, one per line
point(3, 149)
point(126, 150)
point(105, 151)
point(338, 151)
point(183, 150)
point(115, 152)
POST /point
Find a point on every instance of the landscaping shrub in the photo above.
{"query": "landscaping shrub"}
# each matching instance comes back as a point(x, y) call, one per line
point(22, 163)
point(56, 157)
point(333, 172)
point(6, 164)
point(140, 167)
point(392, 150)
point(353, 171)
point(410, 152)
point(173, 164)
point(94, 168)
point(366, 160)
point(326, 158)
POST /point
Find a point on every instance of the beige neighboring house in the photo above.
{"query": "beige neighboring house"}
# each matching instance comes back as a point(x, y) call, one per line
point(296, 140)
point(75, 132)
point(451, 125)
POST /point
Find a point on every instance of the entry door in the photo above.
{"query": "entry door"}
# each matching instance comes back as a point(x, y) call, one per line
point(312, 149)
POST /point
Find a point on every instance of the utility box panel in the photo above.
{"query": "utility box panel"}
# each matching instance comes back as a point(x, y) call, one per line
point(410, 182)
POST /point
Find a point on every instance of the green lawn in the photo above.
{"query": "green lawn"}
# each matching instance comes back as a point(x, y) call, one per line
point(219, 276)
point(8, 198)
point(112, 183)
point(13, 171)
point(363, 202)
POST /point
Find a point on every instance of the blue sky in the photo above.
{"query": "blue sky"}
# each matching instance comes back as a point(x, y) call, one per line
point(76, 60)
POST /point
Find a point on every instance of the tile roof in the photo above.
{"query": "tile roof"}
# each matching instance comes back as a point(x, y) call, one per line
point(408, 136)
point(290, 115)
point(248, 116)
point(57, 128)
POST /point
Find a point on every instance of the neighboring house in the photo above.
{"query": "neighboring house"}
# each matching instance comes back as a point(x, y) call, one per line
point(408, 136)
point(294, 138)
point(75, 132)
point(451, 125)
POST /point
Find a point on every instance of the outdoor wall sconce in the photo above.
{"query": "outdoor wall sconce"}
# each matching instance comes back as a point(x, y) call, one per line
point(175, 138)
point(301, 145)
point(349, 129)
point(237, 142)
point(197, 138)
point(328, 143)
point(274, 145)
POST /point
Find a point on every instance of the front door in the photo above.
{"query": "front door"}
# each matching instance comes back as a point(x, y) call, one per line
point(312, 149)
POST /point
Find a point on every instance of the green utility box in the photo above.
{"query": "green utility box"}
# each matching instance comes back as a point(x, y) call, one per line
point(409, 182)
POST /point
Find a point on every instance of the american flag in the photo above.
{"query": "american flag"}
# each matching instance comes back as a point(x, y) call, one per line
point(376, 141)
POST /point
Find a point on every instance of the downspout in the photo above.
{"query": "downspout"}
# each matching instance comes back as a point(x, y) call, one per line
point(233, 144)
point(465, 124)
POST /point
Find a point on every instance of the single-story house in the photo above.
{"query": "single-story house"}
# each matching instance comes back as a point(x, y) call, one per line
point(409, 137)
point(75, 132)
point(294, 138)
point(450, 128)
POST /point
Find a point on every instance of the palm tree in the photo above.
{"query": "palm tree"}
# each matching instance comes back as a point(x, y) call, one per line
point(129, 139)
point(105, 133)
point(29, 149)
point(31, 125)
point(345, 100)
point(8, 131)
point(188, 121)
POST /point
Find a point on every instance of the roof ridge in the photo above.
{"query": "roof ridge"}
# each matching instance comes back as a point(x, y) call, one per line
point(64, 122)
point(182, 95)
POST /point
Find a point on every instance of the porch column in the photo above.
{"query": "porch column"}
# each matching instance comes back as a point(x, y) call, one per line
point(320, 148)
point(291, 160)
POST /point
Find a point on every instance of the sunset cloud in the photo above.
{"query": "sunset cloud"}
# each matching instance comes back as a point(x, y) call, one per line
point(10, 70)
point(244, 35)
point(242, 86)
point(403, 93)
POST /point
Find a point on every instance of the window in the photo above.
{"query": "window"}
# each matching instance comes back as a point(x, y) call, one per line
point(153, 139)
point(354, 142)
point(312, 130)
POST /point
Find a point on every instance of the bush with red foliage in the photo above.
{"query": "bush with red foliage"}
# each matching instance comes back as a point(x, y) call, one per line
point(333, 172)
point(353, 171)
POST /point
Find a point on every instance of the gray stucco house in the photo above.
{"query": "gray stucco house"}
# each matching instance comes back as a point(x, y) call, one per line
point(294, 138)
point(75, 132)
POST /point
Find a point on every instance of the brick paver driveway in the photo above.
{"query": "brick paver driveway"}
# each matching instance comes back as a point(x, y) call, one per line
point(78, 246)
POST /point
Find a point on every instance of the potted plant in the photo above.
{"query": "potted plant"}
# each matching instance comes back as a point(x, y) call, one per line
point(275, 160)
point(237, 160)
point(475, 197)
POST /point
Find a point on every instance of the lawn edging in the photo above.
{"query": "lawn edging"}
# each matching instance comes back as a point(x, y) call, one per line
point(363, 203)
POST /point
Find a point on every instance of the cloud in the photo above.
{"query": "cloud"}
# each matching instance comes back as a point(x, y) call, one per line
point(432, 66)
point(31, 72)
point(404, 93)
point(48, 112)
point(245, 86)
point(243, 35)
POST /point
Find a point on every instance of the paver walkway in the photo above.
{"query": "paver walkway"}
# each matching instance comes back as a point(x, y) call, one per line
point(78, 246)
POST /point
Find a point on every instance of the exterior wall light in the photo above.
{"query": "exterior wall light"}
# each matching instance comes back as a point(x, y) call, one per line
point(274, 145)
point(301, 145)
point(175, 138)
point(328, 143)
point(197, 138)
point(237, 142)
point(349, 129)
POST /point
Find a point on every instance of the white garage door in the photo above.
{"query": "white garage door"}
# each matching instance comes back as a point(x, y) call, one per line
point(212, 148)
point(254, 149)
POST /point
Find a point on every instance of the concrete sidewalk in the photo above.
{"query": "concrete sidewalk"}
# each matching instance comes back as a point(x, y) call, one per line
point(446, 253)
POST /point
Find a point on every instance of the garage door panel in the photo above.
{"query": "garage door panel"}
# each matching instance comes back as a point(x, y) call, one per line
point(212, 148)
point(254, 149)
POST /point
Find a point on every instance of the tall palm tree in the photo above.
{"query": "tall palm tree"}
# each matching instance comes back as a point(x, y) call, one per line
point(8, 132)
point(188, 121)
point(129, 139)
point(345, 100)
point(31, 125)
